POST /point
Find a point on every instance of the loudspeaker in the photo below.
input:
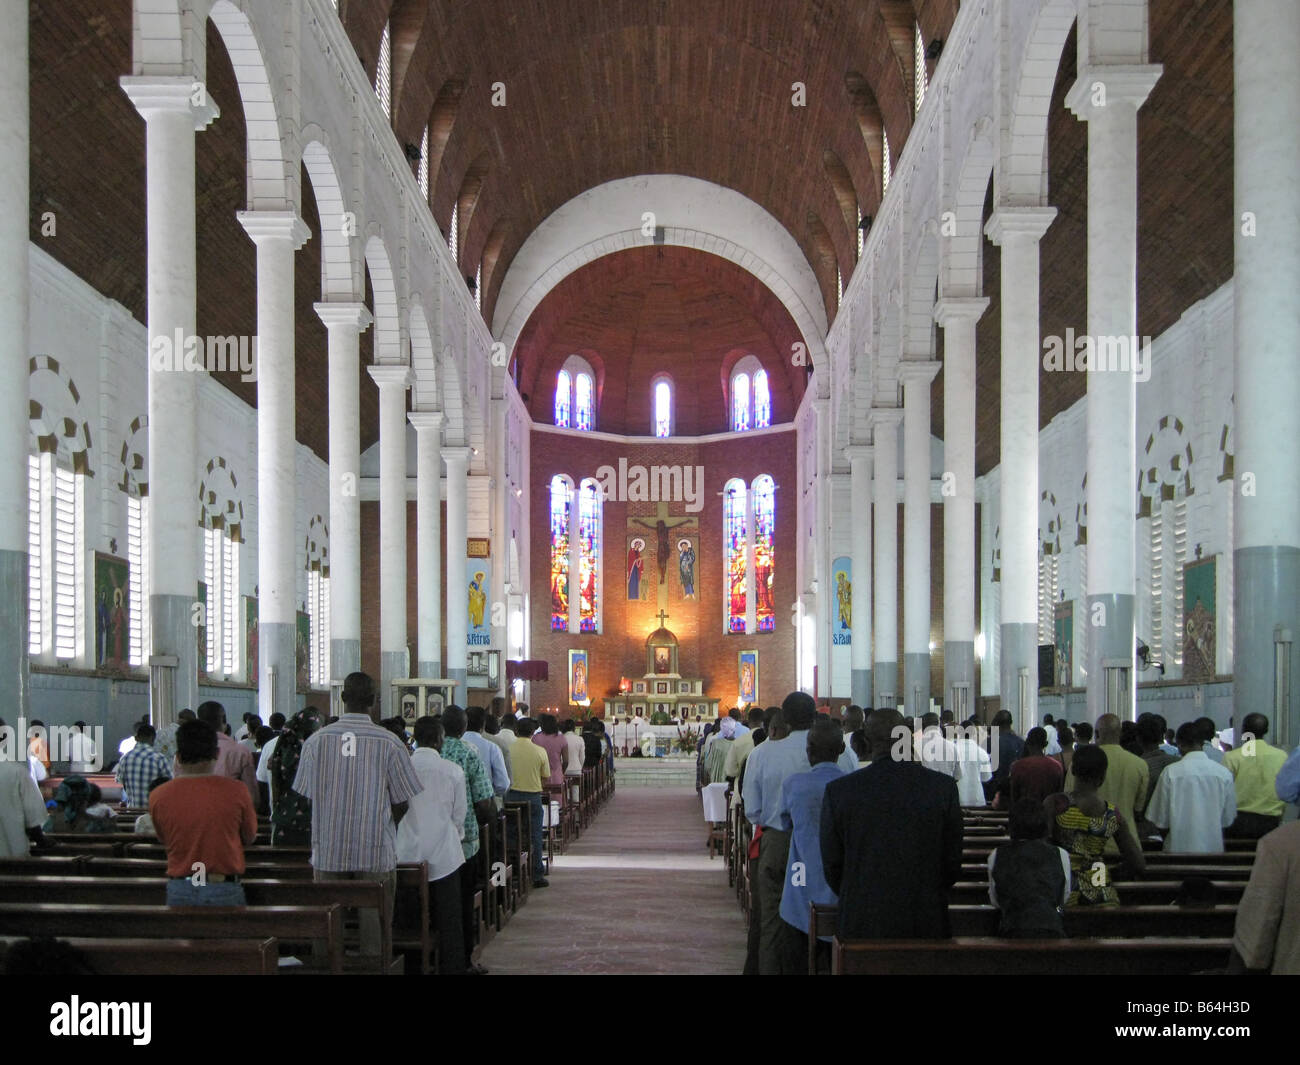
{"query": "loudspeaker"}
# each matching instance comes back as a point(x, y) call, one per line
point(1046, 665)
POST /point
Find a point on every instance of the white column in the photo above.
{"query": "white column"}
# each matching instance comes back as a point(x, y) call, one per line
point(957, 318)
point(860, 457)
point(457, 462)
point(393, 381)
point(1108, 98)
point(15, 161)
point(277, 234)
point(428, 523)
point(884, 431)
point(344, 322)
point(1266, 316)
point(915, 378)
point(1018, 231)
point(171, 119)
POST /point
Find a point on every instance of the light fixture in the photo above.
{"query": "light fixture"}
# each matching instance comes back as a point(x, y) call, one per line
point(980, 646)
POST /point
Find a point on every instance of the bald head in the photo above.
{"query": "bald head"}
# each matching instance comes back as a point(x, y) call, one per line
point(1109, 729)
point(880, 728)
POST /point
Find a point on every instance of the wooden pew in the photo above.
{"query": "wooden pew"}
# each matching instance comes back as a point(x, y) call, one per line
point(1117, 922)
point(1131, 892)
point(411, 931)
point(172, 957)
point(979, 871)
point(295, 924)
point(977, 956)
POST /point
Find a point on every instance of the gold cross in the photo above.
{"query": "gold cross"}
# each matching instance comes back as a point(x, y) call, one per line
point(662, 615)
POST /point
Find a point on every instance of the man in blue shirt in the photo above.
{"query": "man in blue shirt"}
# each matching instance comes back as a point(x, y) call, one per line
point(765, 773)
point(475, 717)
point(1287, 783)
point(800, 814)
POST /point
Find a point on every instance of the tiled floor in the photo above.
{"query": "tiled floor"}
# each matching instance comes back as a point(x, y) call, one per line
point(637, 893)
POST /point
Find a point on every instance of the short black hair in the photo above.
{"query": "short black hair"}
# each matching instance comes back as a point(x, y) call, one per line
point(929, 720)
point(526, 726)
point(1255, 725)
point(1036, 737)
point(1189, 732)
point(196, 741)
point(278, 720)
point(475, 716)
point(145, 734)
point(1089, 765)
point(799, 710)
point(1003, 719)
point(428, 731)
point(358, 692)
point(1207, 728)
point(213, 713)
point(510, 722)
point(550, 726)
point(825, 740)
point(1150, 729)
point(1083, 732)
point(453, 720)
point(567, 725)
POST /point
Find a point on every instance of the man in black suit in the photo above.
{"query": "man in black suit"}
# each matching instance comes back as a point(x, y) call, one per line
point(891, 840)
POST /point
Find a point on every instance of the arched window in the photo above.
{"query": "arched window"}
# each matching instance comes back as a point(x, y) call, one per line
point(221, 593)
point(762, 401)
point(740, 402)
point(55, 549)
point(735, 548)
point(584, 407)
point(561, 504)
point(662, 397)
point(765, 552)
point(751, 396)
point(589, 500)
point(563, 398)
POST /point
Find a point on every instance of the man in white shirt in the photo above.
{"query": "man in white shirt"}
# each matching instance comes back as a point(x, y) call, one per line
point(936, 751)
point(1195, 799)
point(976, 769)
point(83, 754)
point(432, 831)
point(22, 810)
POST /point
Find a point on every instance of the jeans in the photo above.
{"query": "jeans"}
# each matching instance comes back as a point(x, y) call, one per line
point(181, 891)
point(536, 813)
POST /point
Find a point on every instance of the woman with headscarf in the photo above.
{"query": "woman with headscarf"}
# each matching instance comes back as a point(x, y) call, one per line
point(291, 812)
point(78, 808)
point(715, 758)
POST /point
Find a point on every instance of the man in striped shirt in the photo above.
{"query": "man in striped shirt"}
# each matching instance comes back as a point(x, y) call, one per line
point(359, 778)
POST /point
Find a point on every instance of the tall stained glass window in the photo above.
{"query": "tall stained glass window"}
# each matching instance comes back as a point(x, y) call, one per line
point(584, 407)
point(563, 398)
point(589, 499)
point(762, 401)
point(740, 402)
point(663, 404)
point(764, 551)
point(561, 501)
point(735, 544)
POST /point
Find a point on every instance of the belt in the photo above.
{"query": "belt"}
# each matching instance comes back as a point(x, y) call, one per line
point(215, 878)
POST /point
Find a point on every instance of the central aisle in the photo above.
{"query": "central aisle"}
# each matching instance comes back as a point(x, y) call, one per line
point(636, 894)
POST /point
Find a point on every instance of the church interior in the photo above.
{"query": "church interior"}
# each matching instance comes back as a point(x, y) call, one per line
point(646, 361)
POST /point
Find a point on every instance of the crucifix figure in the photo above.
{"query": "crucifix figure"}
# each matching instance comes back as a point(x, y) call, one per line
point(661, 525)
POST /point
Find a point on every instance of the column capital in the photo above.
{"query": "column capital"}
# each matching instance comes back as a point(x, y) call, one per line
point(859, 453)
point(1029, 223)
point(354, 314)
point(884, 417)
point(951, 309)
point(391, 375)
point(274, 225)
point(1104, 85)
point(918, 372)
point(176, 94)
point(457, 455)
point(425, 420)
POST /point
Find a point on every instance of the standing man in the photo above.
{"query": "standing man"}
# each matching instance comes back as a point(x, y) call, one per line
point(22, 810)
point(891, 841)
point(204, 820)
point(140, 767)
point(234, 760)
point(766, 771)
point(492, 755)
point(1195, 799)
point(358, 777)
point(1254, 766)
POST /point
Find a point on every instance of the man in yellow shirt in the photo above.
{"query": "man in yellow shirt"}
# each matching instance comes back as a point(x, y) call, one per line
point(1127, 778)
point(530, 765)
point(1254, 765)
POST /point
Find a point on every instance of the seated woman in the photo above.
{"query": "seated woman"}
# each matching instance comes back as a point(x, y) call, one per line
point(79, 808)
point(1029, 878)
point(1081, 823)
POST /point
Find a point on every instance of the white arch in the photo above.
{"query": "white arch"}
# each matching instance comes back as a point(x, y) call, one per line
point(693, 213)
point(962, 271)
point(338, 280)
point(453, 399)
point(425, 395)
point(388, 324)
point(918, 338)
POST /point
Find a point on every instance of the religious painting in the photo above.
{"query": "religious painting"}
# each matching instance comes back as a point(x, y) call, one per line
point(409, 704)
point(589, 500)
point(1063, 637)
point(579, 693)
point(684, 687)
point(638, 587)
point(639, 687)
point(201, 628)
point(667, 532)
point(735, 545)
point(250, 637)
point(842, 584)
point(302, 650)
point(1200, 628)
point(747, 669)
point(112, 626)
point(479, 631)
point(663, 660)
point(561, 502)
point(686, 555)
point(765, 552)
point(661, 687)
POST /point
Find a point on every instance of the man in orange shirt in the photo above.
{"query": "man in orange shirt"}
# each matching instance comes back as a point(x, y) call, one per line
point(234, 760)
point(204, 820)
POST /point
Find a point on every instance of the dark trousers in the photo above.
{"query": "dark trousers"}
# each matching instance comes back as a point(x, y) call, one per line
point(449, 920)
point(468, 885)
point(773, 853)
point(1251, 826)
point(794, 949)
point(755, 921)
point(536, 813)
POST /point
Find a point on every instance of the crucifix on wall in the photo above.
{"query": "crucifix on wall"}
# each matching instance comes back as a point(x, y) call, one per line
point(663, 525)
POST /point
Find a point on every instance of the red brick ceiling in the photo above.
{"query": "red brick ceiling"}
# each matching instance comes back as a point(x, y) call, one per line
point(654, 310)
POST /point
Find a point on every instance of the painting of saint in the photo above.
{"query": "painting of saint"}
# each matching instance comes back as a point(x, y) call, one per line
point(686, 567)
point(111, 627)
point(662, 660)
point(748, 667)
point(578, 693)
point(844, 597)
point(635, 567)
point(477, 599)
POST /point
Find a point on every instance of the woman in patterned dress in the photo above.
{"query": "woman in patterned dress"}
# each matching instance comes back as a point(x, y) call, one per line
point(1081, 823)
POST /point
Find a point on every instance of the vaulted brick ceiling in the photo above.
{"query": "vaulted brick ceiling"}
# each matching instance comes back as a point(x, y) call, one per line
point(653, 310)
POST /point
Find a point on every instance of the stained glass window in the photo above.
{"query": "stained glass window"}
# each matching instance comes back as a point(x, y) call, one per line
point(734, 549)
point(740, 402)
point(762, 401)
point(584, 409)
point(764, 551)
point(663, 408)
point(561, 501)
point(563, 398)
point(589, 556)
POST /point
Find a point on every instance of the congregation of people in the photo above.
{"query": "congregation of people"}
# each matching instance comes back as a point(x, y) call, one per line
point(363, 793)
point(866, 814)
